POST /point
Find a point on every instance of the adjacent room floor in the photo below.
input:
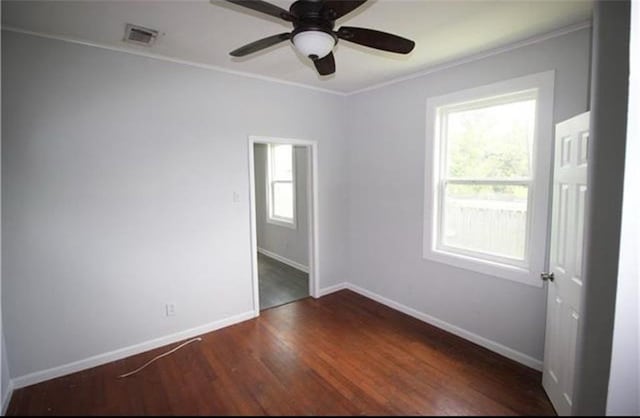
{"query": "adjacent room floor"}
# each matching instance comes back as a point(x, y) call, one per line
point(280, 283)
point(342, 354)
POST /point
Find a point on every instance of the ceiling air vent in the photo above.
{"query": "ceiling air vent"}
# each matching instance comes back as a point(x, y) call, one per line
point(138, 35)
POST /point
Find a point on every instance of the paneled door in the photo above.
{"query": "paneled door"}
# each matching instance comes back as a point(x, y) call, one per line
point(564, 278)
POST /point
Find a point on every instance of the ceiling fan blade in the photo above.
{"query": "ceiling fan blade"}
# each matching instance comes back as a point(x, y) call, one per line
point(335, 9)
point(326, 65)
point(260, 44)
point(376, 39)
point(264, 7)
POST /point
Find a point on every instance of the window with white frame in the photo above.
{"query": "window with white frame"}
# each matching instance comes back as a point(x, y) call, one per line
point(281, 196)
point(488, 184)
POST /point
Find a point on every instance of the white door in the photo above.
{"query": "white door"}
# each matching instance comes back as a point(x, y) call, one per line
point(565, 279)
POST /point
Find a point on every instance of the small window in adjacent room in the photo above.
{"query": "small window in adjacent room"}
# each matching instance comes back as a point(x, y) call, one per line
point(281, 199)
point(488, 183)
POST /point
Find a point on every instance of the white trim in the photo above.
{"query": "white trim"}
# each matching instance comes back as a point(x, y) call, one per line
point(460, 332)
point(439, 67)
point(6, 397)
point(332, 289)
point(479, 56)
point(278, 222)
point(313, 212)
point(284, 260)
point(283, 224)
point(314, 220)
point(539, 193)
point(253, 238)
point(76, 366)
point(161, 57)
point(98, 360)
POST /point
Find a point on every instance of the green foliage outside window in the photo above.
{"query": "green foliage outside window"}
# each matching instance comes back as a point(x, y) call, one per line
point(491, 143)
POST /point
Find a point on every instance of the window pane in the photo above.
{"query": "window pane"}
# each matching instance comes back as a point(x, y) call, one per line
point(491, 142)
point(490, 219)
point(283, 200)
point(282, 162)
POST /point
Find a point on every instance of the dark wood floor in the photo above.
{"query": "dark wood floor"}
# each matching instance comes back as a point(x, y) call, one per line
point(342, 354)
point(280, 283)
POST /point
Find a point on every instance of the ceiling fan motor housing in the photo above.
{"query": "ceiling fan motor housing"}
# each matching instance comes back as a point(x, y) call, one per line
point(312, 12)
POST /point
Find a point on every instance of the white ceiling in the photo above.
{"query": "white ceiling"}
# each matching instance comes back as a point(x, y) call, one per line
point(201, 32)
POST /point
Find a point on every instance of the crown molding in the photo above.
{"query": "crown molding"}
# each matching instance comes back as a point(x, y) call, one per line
point(433, 69)
point(479, 56)
point(166, 58)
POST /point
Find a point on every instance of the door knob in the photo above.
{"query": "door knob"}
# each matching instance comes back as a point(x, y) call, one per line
point(547, 276)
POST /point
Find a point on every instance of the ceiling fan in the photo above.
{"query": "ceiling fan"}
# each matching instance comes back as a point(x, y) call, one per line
point(313, 35)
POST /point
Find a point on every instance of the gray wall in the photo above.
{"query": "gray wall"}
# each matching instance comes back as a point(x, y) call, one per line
point(609, 87)
point(118, 180)
point(387, 161)
point(118, 177)
point(4, 362)
point(624, 380)
point(5, 376)
point(292, 244)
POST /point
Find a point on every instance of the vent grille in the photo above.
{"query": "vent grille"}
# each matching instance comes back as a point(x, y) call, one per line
point(138, 35)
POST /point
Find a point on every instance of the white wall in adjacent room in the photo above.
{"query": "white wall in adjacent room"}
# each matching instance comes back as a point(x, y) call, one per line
point(386, 171)
point(118, 174)
point(290, 243)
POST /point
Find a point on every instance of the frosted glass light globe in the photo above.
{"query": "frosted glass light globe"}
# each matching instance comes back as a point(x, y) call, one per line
point(314, 44)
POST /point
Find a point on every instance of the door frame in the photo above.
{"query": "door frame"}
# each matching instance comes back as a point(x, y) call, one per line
point(312, 208)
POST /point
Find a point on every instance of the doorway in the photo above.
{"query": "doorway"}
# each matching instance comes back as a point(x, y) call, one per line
point(283, 179)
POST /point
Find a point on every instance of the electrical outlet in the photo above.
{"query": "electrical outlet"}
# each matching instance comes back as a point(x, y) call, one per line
point(170, 309)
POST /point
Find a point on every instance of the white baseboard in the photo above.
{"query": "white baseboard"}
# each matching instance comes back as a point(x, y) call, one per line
point(6, 397)
point(331, 289)
point(94, 361)
point(284, 260)
point(76, 366)
point(460, 332)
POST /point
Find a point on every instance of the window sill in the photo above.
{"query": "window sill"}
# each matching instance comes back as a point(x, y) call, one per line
point(490, 268)
point(290, 225)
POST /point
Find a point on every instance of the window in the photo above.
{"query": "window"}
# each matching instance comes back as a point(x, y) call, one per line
point(489, 150)
point(281, 196)
point(486, 176)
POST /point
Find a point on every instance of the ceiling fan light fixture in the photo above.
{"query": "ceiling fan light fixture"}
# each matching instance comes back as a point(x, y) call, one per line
point(314, 44)
point(313, 31)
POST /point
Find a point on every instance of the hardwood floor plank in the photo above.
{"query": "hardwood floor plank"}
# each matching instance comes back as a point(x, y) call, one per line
point(342, 354)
